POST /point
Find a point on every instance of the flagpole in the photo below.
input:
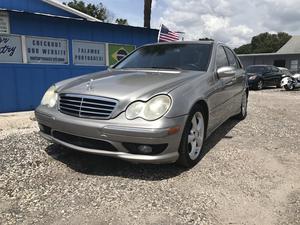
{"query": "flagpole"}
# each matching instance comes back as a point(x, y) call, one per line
point(159, 33)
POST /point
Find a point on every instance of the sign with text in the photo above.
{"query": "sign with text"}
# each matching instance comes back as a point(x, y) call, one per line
point(4, 23)
point(10, 49)
point(47, 50)
point(88, 53)
point(117, 52)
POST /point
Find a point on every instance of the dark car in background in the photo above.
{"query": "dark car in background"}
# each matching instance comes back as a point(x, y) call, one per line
point(260, 76)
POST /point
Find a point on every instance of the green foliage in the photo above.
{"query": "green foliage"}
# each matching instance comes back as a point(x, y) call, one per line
point(244, 49)
point(98, 11)
point(121, 21)
point(264, 43)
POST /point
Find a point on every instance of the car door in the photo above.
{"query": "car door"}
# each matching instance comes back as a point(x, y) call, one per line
point(222, 91)
point(276, 75)
point(238, 82)
point(271, 76)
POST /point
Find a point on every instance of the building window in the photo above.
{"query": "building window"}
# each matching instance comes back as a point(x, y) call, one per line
point(294, 65)
point(279, 63)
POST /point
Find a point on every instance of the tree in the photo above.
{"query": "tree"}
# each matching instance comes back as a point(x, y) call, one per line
point(264, 43)
point(121, 21)
point(99, 11)
point(147, 13)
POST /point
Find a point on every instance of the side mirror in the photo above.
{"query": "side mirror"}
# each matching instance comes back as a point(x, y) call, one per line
point(226, 71)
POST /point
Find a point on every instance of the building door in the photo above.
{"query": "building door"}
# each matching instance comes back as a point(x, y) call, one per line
point(279, 63)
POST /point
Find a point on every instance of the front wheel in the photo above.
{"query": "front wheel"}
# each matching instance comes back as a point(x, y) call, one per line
point(192, 139)
point(259, 85)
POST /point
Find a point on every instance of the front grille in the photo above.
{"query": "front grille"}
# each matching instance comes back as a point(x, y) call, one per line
point(86, 106)
point(84, 142)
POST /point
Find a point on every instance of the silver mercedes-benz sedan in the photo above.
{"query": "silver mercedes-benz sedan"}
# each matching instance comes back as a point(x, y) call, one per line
point(157, 105)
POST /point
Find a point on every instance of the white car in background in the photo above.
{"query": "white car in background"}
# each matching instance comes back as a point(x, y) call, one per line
point(289, 81)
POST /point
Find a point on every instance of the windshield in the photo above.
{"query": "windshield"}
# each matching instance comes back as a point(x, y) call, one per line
point(256, 69)
point(169, 56)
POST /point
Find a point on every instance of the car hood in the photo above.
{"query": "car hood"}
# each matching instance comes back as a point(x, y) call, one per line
point(127, 85)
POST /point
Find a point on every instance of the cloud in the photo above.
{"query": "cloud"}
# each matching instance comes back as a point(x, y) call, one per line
point(154, 4)
point(231, 21)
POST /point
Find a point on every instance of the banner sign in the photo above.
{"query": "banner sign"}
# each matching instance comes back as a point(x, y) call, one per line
point(10, 49)
point(117, 52)
point(47, 50)
point(4, 23)
point(88, 53)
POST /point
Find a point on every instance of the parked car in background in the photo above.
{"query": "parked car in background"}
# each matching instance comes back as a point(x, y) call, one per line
point(285, 72)
point(260, 76)
point(289, 81)
point(155, 106)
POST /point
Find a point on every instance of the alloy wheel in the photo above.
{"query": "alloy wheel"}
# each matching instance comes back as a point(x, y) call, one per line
point(290, 86)
point(260, 85)
point(196, 136)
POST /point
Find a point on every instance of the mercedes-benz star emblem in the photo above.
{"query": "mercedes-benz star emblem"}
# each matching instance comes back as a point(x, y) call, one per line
point(89, 84)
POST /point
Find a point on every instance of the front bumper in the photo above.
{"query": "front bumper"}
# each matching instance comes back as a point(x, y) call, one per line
point(116, 131)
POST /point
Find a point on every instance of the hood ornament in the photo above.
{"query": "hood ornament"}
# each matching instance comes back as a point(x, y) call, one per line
point(89, 85)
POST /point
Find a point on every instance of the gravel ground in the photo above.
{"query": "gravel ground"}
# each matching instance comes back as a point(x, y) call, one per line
point(249, 174)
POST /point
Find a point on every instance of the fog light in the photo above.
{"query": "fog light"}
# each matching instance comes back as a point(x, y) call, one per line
point(145, 149)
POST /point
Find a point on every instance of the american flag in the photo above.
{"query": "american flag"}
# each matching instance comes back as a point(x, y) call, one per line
point(165, 35)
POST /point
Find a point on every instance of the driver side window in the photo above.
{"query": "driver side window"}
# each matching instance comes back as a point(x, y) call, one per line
point(221, 58)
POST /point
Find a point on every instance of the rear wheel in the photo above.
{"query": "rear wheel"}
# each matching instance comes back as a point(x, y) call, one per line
point(192, 139)
point(244, 108)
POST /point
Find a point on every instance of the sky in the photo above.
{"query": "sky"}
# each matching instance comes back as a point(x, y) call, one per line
point(233, 22)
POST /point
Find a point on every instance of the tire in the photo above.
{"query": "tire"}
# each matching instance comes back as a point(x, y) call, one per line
point(289, 87)
point(244, 108)
point(192, 139)
point(278, 85)
point(259, 85)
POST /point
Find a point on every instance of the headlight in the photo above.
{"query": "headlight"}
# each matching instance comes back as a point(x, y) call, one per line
point(252, 77)
point(151, 110)
point(50, 97)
